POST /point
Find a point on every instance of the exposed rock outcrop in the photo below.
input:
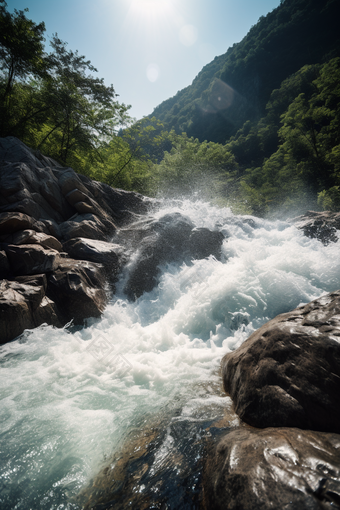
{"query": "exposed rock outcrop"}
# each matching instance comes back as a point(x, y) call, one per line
point(43, 208)
point(78, 289)
point(273, 468)
point(288, 372)
point(110, 255)
point(167, 239)
point(62, 224)
point(24, 305)
point(319, 225)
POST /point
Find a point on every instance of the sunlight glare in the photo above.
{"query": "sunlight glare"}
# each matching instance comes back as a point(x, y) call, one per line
point(151, 8)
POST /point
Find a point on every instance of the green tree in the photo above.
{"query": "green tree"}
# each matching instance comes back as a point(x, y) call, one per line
point(127, 159)
point(191, 166)
point(82, 112)
point(22, 57)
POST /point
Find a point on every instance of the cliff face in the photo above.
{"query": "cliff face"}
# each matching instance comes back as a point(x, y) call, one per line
point(236, 86)
point(47, 277)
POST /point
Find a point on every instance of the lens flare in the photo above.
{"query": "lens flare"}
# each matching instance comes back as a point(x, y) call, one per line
point(152, 72)
point(188, 35)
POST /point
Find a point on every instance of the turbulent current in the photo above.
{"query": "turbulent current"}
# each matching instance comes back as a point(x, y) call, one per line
point(68, 397)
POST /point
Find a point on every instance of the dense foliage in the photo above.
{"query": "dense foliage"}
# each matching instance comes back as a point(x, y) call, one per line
point(259, 128)
point(235, 87)
point(52, 101)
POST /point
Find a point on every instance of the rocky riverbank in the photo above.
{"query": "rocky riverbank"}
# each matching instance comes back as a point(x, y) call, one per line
point(64, 239)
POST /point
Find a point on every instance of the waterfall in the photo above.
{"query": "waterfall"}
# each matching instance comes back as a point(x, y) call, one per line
point(69, 396)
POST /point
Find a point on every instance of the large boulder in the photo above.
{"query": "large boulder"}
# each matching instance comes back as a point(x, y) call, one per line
point(167, 239)
point(107, 254)
point(11, 222)
point(24, 305)
point(288, 372)
point(273, 468)
point(78, 289)
point(319, 225)
point(32, 237)
point(84, 225)
point(28, 259)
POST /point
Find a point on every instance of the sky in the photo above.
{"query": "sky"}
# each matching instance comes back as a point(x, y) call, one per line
point(148, 49)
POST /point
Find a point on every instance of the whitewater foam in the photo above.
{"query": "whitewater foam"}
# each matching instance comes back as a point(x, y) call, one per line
point(68, 397)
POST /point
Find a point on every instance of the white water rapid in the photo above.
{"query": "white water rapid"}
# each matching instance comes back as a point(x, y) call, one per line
point(68, 397)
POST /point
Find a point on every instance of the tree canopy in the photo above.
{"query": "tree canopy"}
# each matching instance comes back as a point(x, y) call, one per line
point(259, 128)
point(53, 101)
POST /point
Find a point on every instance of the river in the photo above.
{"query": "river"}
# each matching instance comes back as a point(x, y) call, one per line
point(69, 396)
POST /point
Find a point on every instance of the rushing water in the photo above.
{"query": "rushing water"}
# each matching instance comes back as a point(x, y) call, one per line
point(69, 397)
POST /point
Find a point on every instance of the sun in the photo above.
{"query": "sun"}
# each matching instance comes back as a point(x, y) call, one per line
point(155, 9)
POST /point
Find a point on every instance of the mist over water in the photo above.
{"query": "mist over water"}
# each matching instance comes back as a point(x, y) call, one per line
point(68, 397)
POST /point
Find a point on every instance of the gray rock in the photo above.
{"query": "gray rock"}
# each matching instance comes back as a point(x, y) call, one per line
point(23, 305)
point(13, 150)
point(288, 372)
point(4, 265)
point(69, 181)
point(20, 187)
point(29, 259)
point(107, 254)
point(84, 225)
point(168, 239)
point(204, 242)
point(273, 468)
point(32, 237)
point(319, 225)
point(77, 287)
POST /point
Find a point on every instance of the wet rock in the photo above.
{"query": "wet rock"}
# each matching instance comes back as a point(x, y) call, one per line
point(77, 287)
point(13, 221)
point(288, 372)
point(168, 239)
point(319, 225)
point(23, 305)
point(31, 259)
point(160, 463)
point(204, 242)
point(107, 254)
point(273, 468)
point(84, 225)
point(32, 237)
point(4, 265)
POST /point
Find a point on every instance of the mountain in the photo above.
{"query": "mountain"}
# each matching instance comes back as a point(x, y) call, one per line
point(235, 87)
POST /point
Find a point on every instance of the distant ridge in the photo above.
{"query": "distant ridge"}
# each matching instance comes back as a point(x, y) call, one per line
point(236, 86)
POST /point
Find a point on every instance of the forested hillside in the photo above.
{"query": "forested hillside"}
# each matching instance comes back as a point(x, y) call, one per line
point(258, 129)
point(236, 86)
point(272, 101)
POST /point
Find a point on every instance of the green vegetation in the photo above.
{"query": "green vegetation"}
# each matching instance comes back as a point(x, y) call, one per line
point(52, 101)
point(258, 130)
point(290, 158)
point(235, 87)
